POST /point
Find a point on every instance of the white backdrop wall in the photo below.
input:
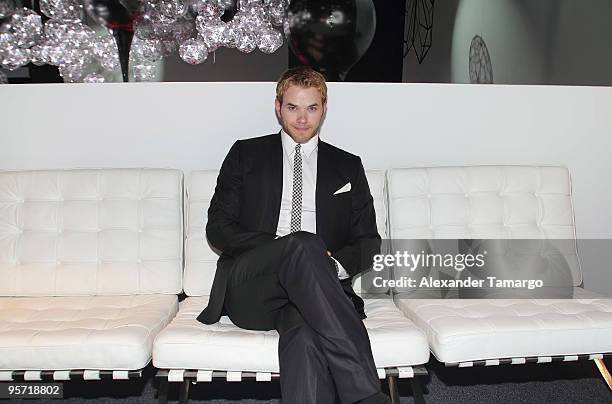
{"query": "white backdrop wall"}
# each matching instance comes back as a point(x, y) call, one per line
point(192, 125)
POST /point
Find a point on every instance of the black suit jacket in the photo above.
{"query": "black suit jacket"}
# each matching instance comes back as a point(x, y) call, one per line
point(244, 210)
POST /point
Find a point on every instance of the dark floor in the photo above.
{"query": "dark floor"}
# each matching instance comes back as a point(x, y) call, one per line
point(559, 383)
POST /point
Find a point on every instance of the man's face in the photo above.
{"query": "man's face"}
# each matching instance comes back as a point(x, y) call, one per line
point(301, 112)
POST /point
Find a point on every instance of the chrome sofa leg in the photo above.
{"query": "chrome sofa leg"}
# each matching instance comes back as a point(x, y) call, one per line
point(162, 392)
point(417, 392)
point(393, 392)
point(184, 392)
point(604, 372)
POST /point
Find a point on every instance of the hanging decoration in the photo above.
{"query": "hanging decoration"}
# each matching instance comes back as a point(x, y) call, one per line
point(89, 40)
point(419, 27)
point(481, 69)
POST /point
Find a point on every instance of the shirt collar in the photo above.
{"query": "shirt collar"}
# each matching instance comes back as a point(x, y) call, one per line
point(307, 148)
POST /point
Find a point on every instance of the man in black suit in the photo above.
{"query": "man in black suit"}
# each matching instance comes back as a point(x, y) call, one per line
point(294, 220)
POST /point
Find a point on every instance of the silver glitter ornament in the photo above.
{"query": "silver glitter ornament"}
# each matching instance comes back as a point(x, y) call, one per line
point(270, 40)
point(7, 7)
point(193, 51)
point(94, 78)
point(247, 42)
point(62, 9)
point(26, 27)
point(151, 50)
point(143, 72)
point(207, 9)
point(71, 73)
point(14, 57)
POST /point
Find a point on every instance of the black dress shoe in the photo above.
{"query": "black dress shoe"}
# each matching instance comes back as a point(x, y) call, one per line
point(378, 398)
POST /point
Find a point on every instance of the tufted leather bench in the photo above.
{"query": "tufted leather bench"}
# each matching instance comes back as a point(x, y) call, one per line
point(90, 269)
point(497, 202)
point(188, 351)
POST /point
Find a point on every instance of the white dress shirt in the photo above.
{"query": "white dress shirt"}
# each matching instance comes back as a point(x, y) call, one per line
point(309, 151)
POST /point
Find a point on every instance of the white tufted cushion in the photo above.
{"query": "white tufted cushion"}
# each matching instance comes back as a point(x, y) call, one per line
point(467, 330)
point(480, 202)
point(94, 332)
point(483, 202)
point(496, 202)
point(90, 232)
point(201, 260)
point(378, 184)
point(188, 344)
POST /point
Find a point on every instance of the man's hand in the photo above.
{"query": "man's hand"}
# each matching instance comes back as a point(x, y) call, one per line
point(336, 270)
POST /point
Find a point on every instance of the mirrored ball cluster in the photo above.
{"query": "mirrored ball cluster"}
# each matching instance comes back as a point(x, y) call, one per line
point(77, 36)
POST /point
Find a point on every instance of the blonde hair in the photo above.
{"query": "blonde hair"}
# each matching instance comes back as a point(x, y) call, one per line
point(303, 76)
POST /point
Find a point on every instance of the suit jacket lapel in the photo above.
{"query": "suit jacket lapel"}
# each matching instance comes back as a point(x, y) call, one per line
point(275, 183)
point(323, 189)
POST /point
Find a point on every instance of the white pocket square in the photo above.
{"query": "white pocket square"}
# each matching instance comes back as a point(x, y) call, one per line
point(345, 188)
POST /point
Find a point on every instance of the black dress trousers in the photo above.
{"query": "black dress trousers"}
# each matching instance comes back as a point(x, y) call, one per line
point(290, 284)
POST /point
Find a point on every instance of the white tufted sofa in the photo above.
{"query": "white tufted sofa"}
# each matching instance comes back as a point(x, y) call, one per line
point(90, 269)
point(188, 351)
point(91, 262)
point(497, 202)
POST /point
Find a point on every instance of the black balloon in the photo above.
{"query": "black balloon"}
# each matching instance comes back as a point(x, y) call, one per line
point(331, 36)
point(118, 16)
point(115, 14)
